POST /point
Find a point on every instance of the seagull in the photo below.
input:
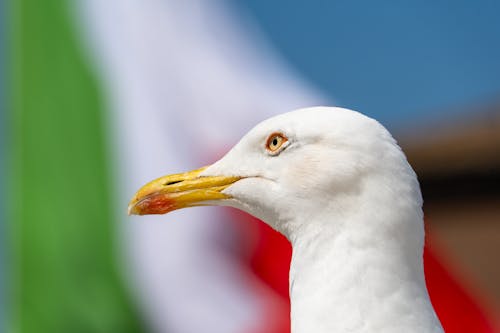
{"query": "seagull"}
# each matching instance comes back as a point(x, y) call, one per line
point(336, 184)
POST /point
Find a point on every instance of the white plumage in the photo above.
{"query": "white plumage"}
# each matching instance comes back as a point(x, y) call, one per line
point(341, 190)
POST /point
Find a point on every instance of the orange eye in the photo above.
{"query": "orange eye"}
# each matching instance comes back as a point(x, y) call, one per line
point(275, 142)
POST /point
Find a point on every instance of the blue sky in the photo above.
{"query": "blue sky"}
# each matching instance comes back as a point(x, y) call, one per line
point(399, 61)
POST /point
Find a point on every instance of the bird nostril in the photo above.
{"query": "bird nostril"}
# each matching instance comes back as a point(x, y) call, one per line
point(172, 182)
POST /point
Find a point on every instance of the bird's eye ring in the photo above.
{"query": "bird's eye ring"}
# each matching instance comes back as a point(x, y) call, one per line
point(275, 143)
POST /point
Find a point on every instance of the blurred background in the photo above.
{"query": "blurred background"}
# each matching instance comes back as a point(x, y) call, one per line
point(98, 97)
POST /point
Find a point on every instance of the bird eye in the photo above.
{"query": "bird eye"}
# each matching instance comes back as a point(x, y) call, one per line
point(276, 142)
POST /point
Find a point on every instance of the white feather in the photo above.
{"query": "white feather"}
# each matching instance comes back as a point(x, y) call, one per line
point(345, 196)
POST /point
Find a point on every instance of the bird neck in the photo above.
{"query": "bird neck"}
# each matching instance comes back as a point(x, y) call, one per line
point(359, 275)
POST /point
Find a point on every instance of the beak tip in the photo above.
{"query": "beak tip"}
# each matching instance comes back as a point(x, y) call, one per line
point(132, 210)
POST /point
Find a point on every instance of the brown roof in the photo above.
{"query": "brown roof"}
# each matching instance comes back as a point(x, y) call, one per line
point(456, 146)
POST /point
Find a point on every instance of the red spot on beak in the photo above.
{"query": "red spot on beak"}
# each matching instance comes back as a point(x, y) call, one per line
point(157, 204)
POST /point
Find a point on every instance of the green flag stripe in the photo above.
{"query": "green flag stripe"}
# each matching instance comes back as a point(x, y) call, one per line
point(3, 127)
point(66, 278)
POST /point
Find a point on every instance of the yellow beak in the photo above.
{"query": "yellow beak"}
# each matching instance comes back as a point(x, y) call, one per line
point(172, 192)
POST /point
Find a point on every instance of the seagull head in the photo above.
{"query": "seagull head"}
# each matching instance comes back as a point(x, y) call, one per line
point(338, 186)
point(292, 168)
